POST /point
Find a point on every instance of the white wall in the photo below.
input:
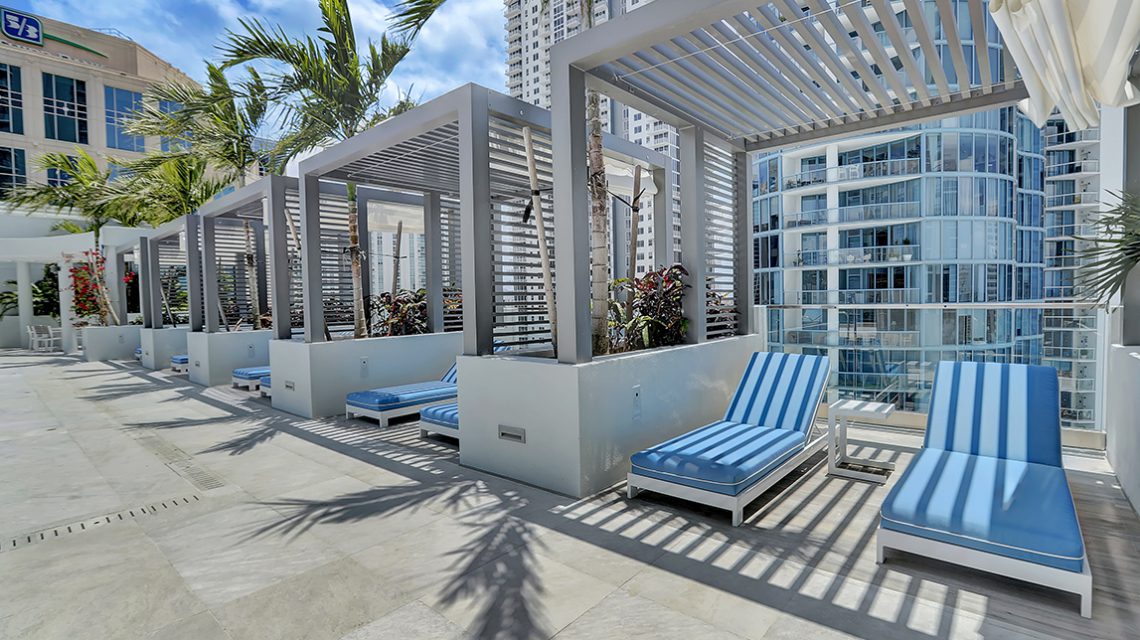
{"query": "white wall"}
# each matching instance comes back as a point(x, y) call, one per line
point(110, 343)
point(159, 345)
point(1121, 423)
point(583, 421)
point(214, 356)
point(312, 379)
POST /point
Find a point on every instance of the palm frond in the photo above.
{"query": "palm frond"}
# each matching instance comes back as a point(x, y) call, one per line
point(412, 15)
point(1113, 253)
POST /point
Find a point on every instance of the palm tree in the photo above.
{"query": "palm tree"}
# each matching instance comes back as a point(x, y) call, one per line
point(219, 125)
point(333, 93)
point(410, 18)
point(84, 189)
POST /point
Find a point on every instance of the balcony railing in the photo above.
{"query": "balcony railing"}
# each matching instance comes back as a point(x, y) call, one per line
point(854, 296)
point(1069, 137)
point(854, 213)
point(1073, 199)
point(855, 256)
point(1077, 166)
point(1072, 231)
point(876, 169)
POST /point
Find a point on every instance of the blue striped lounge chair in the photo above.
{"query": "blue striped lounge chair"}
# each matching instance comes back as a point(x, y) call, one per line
point(987, 490)
point(402, 400)
point(767, 431)
point(180, 364)
point(249, 378)
point(266, 387)
point(440, 419)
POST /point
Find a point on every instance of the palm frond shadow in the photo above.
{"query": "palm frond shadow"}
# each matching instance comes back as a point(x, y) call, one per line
point(246, 441)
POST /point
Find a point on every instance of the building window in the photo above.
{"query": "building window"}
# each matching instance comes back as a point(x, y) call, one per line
point(65, 109)
point(11, 100)
point(13, 170)
point(121, 104)
point(165, 143)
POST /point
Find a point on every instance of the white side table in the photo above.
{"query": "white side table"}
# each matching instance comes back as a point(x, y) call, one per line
point(838, 415)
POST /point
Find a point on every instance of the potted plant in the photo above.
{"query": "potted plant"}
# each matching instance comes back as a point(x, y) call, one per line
point(907, 255)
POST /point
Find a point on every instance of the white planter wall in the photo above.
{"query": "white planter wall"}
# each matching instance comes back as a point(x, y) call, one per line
point(10, 336)
point(582, 422)
point(110, 343)
point(159, 345)
point(312, 379)
point(214, 356)
point(1122, 424)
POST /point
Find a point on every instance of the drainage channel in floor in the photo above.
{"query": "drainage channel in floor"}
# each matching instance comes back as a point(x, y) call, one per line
point(8, 543)
point(181, 463)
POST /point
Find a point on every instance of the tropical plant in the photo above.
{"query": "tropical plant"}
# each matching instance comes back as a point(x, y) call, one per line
point(88, 192)
point(410, 18)
point(167, 190)
point(45, 295)
point(331, 93)
point(1114, 252)
point(402, 314)
point(656, 317)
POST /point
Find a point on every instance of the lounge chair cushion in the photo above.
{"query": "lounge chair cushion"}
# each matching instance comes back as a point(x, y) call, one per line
point(779, 390)
point(1010, 508)
point(723, 457)
point(444, 415)
point(184, 359)
point(251, 373)
point(996, 410)
point(405, 395)
point(266, 382)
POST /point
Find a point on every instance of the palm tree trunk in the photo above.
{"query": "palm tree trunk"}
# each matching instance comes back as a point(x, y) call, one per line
point(634, 211)
point(396, 259)
point(251, 277)
point(358, 328)
point(599, 212)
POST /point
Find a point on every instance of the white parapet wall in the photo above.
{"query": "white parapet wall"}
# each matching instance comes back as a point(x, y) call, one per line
point(214, 356)
point(110, 343)
point(10, 330)
point(312, 379)
point(159, 345)
point(1122, 406)
point(572, 428)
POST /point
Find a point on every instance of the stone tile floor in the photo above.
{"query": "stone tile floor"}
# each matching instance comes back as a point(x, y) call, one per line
point(171, 511)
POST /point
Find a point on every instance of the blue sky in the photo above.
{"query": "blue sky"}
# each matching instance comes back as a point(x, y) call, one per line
point(464, 42)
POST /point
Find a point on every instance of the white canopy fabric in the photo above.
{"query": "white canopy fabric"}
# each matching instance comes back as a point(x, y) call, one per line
point(1072, 54)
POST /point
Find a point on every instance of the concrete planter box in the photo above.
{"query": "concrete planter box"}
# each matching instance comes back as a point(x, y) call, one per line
point(1122, 405)
point(214, 356)
point(572, 428)
point(312, 379)
point(110, 343)
point(159, 345)
point(10, 335)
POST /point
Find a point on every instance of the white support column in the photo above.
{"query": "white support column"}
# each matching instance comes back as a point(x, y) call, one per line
point(663, 238)
point(311, 286)
point(693, 224)
point(118, 288)
point(210, 298)
point(260, 259)
point(475, 226)
point(276, 213)
point(743, 269)
point(112, 276)
point(621, 217)
point(24, 294)
point(155, 268)
point(433, 261)
point(145, 305)
point(194, 287)
point(571, 214)
point(66, 299)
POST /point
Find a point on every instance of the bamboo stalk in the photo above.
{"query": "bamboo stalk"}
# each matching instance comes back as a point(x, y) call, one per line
point(251, 277)
point(540, 227)
point(358, 326)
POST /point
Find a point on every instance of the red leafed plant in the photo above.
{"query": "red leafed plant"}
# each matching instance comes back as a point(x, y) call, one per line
point(86, 285)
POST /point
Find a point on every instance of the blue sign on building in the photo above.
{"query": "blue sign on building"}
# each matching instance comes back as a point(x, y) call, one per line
point(22, 27)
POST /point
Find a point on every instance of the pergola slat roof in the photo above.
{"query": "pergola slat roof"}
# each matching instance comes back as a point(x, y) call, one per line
point(763, 75)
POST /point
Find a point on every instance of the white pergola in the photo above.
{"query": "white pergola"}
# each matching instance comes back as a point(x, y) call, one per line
point(150, 269)
point(464, 150)
point(743, 76)
point(272, 201)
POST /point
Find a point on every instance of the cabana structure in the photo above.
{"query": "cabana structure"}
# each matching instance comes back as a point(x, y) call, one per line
point(61, 250)
point(225, 321)
point(115, 342)
point(461, 155)
point(165, 272)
